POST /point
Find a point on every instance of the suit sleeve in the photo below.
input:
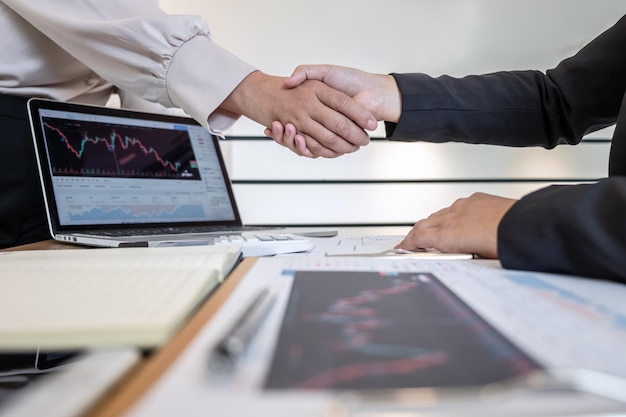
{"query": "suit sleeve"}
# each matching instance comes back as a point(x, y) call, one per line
point(571, 229)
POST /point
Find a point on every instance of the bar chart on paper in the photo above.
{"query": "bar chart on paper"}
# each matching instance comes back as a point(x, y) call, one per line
point(565, 322)
point(372, 330)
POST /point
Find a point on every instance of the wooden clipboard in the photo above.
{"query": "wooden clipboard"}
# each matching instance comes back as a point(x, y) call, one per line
point(127, 391)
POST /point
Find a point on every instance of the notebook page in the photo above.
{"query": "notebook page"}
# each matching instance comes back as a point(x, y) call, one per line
point(108, 297)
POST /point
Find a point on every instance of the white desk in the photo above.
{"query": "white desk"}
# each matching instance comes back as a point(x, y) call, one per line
point(524, 307)
point(142, 384)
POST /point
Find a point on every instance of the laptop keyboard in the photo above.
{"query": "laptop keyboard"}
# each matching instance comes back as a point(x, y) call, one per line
point(266, 244)
point(177, 230)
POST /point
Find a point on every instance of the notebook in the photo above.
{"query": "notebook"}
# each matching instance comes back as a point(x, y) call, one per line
point(114, 177)
point(60, 300)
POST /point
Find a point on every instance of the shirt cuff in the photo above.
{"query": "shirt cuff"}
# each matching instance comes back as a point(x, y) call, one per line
point(200, 77)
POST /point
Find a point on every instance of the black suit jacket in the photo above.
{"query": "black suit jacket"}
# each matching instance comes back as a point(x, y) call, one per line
point(575, 229)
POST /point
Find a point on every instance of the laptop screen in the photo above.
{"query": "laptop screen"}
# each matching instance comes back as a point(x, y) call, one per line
point(103, 166)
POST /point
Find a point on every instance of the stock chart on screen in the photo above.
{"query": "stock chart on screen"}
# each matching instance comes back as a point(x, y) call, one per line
point(78, 148)
point(118, 170)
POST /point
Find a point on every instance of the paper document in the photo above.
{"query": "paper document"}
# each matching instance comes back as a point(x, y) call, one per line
point(569, 326)
point(358, 245)
point(69, 389)
point(381, 246)
point(71, 299)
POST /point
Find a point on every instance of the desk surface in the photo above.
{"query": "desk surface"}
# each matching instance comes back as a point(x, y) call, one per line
point(44, 245)
point(133, 386)
point(344, 231)
point(138, 381)
point(117, 400)
point(545, 316)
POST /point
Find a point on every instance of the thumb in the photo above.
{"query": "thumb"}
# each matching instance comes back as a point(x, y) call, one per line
point(307, 72)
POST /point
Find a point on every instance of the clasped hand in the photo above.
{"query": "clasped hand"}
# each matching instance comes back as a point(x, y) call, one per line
point(375, 93)
point(330, 123)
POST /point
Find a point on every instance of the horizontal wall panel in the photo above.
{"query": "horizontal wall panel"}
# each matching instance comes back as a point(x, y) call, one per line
point(382, 160)
point(392, 203)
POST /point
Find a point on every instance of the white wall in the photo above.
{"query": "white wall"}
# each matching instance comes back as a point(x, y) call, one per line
point(403, 35)
point(455, 37)
point(389, 182)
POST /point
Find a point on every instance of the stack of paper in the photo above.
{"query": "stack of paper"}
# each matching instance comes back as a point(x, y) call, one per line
point(69, 299)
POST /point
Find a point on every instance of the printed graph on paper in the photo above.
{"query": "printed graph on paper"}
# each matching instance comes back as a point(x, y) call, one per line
point(371, 330)
point(108, 150)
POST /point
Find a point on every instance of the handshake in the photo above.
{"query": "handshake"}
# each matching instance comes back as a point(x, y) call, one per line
point(324, 110)
point(320, 110)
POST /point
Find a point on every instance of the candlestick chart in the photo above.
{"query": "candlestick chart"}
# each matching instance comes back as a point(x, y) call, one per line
point(371, 330)
point(78, 148)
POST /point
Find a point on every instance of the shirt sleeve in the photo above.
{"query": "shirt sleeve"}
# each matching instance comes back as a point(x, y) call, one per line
point(167, 59)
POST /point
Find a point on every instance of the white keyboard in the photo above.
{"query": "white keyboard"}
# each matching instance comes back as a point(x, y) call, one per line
point(267, 244)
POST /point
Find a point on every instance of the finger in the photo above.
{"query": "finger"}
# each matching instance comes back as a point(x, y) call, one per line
point(434, 219)
point(301, 148)
point(320, 135)
point(290, 132)
point(285, 136)
point(299, 142)
point(295, 79)
point(408, 241)
point(418, 239)
point(292, 140)
point(307, 72)
point(277, 133)
point(328, 144)
point(358, 117)
point(318, 149)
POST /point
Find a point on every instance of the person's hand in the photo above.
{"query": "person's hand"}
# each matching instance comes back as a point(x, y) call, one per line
point(469, 225)
point(329, 122)
point(377, 92)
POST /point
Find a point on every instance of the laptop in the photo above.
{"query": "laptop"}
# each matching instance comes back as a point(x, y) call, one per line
point(114, 177)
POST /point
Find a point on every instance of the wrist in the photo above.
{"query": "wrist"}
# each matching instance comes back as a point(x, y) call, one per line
point(391, 100)
point(242, 99)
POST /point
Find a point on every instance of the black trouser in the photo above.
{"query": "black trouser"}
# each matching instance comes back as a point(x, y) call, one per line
point(22, 215)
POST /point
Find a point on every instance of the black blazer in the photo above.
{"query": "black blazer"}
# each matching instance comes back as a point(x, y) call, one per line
point(574, 229)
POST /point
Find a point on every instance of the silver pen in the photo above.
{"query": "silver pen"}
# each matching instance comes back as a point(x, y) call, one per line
point(237, 337)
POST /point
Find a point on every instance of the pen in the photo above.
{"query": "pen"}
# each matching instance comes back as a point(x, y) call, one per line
point(237, 337)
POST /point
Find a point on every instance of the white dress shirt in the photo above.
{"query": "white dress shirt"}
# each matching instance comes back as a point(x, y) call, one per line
point(80, 50)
